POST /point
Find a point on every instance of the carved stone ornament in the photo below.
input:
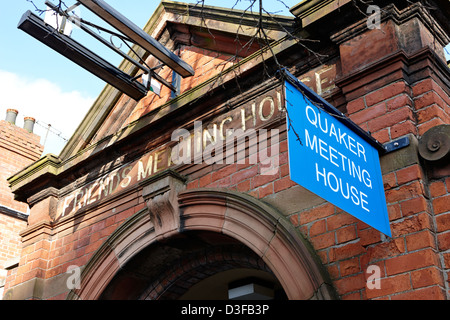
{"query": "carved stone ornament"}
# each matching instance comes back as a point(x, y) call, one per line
point(161, 195)
point(435, 143)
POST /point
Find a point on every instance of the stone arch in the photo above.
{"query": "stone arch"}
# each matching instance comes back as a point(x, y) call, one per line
point(251, 222)
point(198, 266)
point(265, 231)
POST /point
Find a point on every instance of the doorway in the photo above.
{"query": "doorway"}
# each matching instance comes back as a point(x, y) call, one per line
point(195, 265)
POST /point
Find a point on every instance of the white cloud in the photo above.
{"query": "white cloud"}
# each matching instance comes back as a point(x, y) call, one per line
point(47, 103)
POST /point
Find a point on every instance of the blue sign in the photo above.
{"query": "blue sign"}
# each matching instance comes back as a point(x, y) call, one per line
point(333, 161)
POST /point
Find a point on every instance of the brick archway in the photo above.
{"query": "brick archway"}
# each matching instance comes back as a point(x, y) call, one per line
point(193, 268)
point(247, 221)
point(262, 229)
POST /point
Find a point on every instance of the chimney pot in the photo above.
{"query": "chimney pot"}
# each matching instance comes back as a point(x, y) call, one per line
point(28, 124)
point(11, 115)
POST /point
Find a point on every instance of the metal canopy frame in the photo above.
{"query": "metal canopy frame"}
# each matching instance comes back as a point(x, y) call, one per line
point(133, 32)
point(83, 26)
point(69, 48)
point(128, 32)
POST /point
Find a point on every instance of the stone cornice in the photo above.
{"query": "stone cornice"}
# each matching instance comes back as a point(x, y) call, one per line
point(48, 192)
point(236, 18)
point(346, 14)
point(309, 11)
point(399, 61)
point(41, 230)
point(399, 16)
point(47, 165)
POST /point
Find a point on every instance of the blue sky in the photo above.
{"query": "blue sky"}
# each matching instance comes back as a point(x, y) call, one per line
point(42, 84)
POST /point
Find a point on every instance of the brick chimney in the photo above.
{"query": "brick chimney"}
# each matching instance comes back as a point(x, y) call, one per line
point(28, 124)
point(11, 115)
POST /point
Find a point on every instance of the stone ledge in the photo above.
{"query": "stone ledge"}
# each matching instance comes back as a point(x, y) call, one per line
point(12, 263)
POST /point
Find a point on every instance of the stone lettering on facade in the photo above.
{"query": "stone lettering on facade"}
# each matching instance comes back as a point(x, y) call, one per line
point(204, 144)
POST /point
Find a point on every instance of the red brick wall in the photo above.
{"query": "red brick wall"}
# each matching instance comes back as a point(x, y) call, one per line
point(46, 259)
point(10, 242)
point(206, 63)
point(433, 108)
point(386, 112)
point(18, 149)
point(415, 262)
point(71, 245)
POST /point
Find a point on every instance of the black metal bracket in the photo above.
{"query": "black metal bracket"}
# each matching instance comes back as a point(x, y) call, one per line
point(141, 65)
point(128, 32)
point(133, 32)
point(69, 48)
point(396, 144)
